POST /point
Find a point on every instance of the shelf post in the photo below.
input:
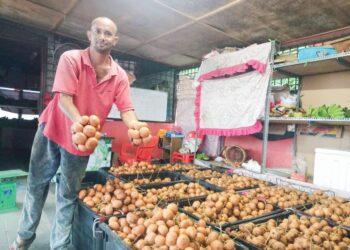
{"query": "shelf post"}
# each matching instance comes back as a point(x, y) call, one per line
point(267, 109)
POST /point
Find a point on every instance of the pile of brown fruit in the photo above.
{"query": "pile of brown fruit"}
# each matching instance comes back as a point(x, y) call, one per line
point(169, 230)
point(228, 207)
point(294, 233)
point(115, 197)
point(178, 191)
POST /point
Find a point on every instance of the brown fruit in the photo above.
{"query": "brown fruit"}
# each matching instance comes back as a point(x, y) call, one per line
point(79, 138)
point(91, 143)
point(83, 120)
point(89, 131)
point(94, 120)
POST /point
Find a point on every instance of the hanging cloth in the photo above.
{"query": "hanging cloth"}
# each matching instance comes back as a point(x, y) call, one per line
point(231, 92)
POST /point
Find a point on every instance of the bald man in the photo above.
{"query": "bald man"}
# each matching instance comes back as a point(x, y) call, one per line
point(87, 82)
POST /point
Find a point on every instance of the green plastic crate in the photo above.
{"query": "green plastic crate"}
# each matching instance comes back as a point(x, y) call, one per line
point(7, 196)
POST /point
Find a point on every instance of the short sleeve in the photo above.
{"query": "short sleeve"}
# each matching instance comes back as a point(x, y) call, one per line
point(66, 78)
point(122, 98)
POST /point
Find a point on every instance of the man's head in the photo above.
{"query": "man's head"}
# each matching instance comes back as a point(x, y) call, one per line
point(103, 34)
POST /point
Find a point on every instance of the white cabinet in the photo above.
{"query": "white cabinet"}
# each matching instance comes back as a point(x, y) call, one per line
point(332, 169)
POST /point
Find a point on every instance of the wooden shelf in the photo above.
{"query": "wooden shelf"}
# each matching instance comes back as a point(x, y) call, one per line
point(320, 65)
point(170, 145)
point(306, 120)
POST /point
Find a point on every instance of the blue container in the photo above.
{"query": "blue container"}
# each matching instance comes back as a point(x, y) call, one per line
point(314, 52)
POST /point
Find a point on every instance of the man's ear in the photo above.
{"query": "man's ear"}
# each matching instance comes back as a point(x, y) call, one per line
point(116, 40)
point(88, 34)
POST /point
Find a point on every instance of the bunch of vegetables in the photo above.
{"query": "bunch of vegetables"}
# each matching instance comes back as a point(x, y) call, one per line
point(333, 111)
point(283, 197)
point(227, 207)
point(140, 133)
point(294, 233)
point(86, 133)
point(195, 173)
point(115, 197)
point(334, 208)
point(178, 191)
point(202, 156)
point(169, 230)
point(236, 182)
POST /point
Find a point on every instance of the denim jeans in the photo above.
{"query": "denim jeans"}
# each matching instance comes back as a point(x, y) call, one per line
point(46, 157)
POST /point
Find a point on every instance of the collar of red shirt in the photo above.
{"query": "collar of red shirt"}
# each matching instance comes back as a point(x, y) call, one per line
point(86, 60)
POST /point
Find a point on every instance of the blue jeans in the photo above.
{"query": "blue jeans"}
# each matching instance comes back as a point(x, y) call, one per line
point(46, 157)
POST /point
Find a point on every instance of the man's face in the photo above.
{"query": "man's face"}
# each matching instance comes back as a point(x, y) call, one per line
point(102, 36)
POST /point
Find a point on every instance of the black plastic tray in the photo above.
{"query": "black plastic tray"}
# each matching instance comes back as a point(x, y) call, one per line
point(91, 178)
point(106, 169)
point(208, 186)
point(95, 177)
point(113, 242)
point(301, 209)
point(281, 215)
point(237, 189)
point(129, 177)
point(82, 229)
point(189, 178)
point(189, 202)
point(224, 189)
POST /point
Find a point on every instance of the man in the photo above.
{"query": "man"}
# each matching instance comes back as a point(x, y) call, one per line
point(87, 82)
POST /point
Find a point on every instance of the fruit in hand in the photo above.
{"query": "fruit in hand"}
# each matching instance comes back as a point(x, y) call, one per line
point(139, 133)
point(86, 133)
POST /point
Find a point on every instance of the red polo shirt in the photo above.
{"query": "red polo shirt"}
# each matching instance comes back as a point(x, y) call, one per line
point(76, 76)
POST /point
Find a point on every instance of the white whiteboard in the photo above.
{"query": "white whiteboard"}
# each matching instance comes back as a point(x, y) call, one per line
point(150, 105)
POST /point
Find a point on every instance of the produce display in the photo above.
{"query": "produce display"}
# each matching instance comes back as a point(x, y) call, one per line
point(228, 207)
point(142, 225)
point(283, 197)
point(115, 197)
point(236, 182)
point(144, 167)
point(178, 191)
point(333, 208)
point(139, 134)
point(168, 229)
point(293, 233)
point(86, 133)
point(145, 181)
point(198, 174)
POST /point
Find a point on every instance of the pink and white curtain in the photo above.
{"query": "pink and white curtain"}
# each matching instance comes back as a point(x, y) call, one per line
point(231, 91)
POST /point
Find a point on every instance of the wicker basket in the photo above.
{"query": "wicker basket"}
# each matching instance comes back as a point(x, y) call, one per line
point(234, 155)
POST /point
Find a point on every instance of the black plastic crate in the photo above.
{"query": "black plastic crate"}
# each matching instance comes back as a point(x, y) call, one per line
point(302, 209)
point(299, 207)
point(151, 176)
point(83, 237)
point(83, 220)
point(207, 186)
point(235, 189)
point(106, 170)
point(95, 177)
point(189, 178)
point(189, 202)
point(278, 216)
point(113, 242)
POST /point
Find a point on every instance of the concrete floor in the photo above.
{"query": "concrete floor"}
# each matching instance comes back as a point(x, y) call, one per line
point(9, 221)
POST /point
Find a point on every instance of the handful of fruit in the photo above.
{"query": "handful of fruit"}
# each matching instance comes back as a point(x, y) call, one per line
point(140, 133)
point(86, 133)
